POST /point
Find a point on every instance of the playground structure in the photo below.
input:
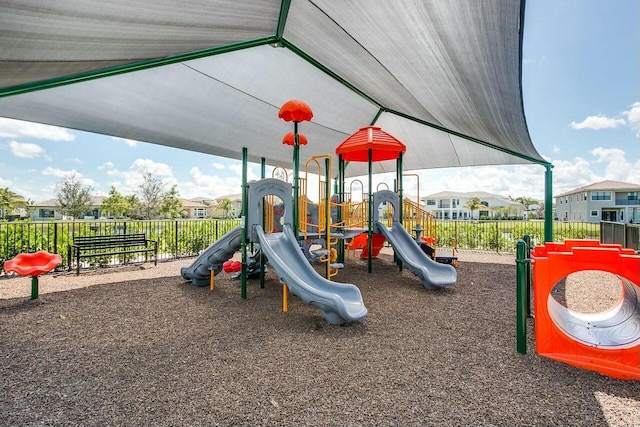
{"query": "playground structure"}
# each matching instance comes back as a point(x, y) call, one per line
point(607, 342)
point(277, 215)
point(33, 265)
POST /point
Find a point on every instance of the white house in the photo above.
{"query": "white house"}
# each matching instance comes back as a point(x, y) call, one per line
point(451, 205)
point(602, 201)
point(46, 210)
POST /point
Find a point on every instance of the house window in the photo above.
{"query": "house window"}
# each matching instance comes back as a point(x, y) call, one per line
point(46, 213)
point(431, 202)
point(632, 196)
point(454, 215)
point(584, 197)
point(200, 212)
point(594, 213)
point(601, 195)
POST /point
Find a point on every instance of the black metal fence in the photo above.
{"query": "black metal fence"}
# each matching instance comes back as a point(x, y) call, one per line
point(188, 237)
point(502, 236)
point(176, 238)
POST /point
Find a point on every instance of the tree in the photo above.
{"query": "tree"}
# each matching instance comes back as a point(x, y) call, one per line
point(10, 200)
point(150, 193)
point(226, 206)
point(473, 204)
point(116, 204)
point(171, 206)
point(72, 198)
point(135, 210)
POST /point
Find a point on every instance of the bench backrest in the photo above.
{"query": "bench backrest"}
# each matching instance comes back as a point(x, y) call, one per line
point(114, 241)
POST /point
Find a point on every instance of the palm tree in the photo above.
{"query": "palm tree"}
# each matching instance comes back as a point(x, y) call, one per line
point(10, 200)
point(473, 204)
point(226, 206)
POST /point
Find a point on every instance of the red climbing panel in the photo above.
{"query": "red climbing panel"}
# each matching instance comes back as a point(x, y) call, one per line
point(553, 262)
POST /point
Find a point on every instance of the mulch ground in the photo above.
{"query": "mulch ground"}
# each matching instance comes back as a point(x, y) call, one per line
point(163, 352)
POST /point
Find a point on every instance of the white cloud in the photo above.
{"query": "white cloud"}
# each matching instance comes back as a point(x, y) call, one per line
point(75, 160)
point(618, 168)
point(633, 115)
point(106, 165)
point(217, 165)
point(147, 165)
point(10, 128)
point(59, 173)
point(25, 149)
point(598, 122)
point(555, 149)
point(200, 184)
point(129, 142)
point(237, 169)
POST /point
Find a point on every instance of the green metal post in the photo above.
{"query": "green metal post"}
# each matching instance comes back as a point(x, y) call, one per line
point(370, 216)
point(327, 209)
point(521, 293)
point(341, 167)
point(245, 211)
point(296, 190)
point(263, 173)
point(400, 198)
point(34, 287)
point(527, 254)
point(548, 204)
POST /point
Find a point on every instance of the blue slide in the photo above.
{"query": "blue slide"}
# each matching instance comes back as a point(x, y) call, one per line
point(339, 302)
point(432, 274)
point(213, 257)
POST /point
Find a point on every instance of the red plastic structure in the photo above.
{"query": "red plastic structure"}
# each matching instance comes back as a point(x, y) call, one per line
point(33, 265)
point(361, 242)
point(607, 342)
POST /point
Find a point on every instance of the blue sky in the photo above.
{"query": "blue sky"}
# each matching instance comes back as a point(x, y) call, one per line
point(581, 97)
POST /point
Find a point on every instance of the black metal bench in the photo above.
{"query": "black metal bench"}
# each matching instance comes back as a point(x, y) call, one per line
point(118, 244)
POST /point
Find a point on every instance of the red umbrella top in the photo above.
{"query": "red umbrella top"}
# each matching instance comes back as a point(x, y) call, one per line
point(289, 139)
point(383, 145)
point(295, 110)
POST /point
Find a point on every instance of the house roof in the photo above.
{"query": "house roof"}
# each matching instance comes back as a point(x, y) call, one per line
point(442, 76)
point(186, 203)
point(604, 186)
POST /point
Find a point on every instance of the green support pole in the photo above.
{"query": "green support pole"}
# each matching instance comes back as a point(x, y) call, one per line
point(327, 210)
point(296, 191)
point(245, 211)
point(263, 173)
point(400, 198)
point(527, 254)
point(341, 167)
point(34, 287)
point(370, 211)
point(521, 294)
point(548, 204)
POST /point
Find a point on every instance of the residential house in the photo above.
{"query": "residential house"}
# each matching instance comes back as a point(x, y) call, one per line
point(602, 201)
point(451, 205)
point(47, 210)
point(236, 202)
point(196, 208)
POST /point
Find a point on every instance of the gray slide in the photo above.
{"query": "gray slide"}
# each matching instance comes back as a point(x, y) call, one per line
point(213, 257)
point(339, 302)
point(432, 274)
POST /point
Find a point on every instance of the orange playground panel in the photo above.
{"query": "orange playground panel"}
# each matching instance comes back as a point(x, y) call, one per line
point(607, 342)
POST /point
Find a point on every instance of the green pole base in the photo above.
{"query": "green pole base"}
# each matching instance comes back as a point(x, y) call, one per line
point(34, 287)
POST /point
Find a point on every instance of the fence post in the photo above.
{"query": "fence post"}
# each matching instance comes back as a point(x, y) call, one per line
point(55, 238)
point(175, 255)
point(521, 293)
point(497, 238)
point(527, 253)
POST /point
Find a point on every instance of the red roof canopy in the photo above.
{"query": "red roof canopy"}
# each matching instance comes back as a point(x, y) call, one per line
point(384, 146)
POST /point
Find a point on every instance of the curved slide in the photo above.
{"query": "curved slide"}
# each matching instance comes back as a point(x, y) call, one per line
point(432, 274)
point(199, 272)
point(338, 302)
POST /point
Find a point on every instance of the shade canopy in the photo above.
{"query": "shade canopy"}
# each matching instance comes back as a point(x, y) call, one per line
point(443, 76)
point(382, 145)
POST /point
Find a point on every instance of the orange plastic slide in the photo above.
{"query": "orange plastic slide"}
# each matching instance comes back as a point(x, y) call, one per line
point(361, 242)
